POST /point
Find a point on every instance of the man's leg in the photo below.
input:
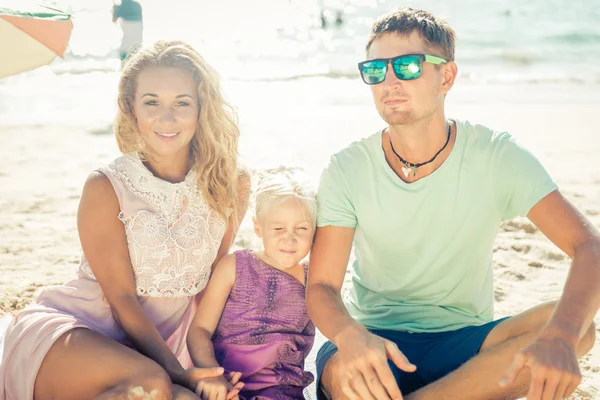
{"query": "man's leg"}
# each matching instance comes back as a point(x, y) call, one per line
point(329, 380)
point(414, 348)
point(479, 377)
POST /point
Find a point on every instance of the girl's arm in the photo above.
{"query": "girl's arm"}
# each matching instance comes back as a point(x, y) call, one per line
point(214, 296)
point(209, 313)
point(104, 244)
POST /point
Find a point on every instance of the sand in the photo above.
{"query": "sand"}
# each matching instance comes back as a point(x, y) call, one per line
point(44, 165)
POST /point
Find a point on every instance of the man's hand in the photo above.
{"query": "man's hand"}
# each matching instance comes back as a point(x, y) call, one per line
point(364, 370)
point(553, 365)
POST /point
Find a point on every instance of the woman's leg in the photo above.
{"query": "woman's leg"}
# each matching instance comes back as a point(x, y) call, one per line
point(83, 364)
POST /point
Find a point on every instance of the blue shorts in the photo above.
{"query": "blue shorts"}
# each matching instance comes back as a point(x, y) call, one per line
point(434, 354)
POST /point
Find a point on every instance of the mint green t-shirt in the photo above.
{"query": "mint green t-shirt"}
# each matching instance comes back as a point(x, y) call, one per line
point(423, 250)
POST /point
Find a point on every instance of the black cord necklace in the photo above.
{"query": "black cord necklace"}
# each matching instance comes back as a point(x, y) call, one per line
point(410, 167)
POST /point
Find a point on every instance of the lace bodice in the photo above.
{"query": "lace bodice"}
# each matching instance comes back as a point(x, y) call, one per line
point(172, 234)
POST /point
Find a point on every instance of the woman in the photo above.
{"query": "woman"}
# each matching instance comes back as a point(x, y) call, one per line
point(151, 225)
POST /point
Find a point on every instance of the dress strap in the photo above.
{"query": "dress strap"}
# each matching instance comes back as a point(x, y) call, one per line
point(305, 273)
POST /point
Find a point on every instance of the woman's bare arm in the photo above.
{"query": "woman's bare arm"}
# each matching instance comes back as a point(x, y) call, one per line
point(104, 243)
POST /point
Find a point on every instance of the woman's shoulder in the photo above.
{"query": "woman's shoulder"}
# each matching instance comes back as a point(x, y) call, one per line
point(125, 163)
point(98, 184)
point(122, 172)
point(98, 194)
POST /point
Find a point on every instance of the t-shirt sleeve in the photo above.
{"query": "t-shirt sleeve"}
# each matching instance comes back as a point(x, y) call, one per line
point(334, 203)
point(521, 180)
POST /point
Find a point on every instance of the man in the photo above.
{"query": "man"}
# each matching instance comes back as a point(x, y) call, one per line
point(422, 200)
point(129, 15)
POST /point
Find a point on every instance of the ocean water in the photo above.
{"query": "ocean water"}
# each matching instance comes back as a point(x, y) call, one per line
point(498, 40)
point(253, 43)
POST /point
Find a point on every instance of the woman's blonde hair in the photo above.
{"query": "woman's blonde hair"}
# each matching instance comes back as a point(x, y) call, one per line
point(283, 183)
point(215, 144)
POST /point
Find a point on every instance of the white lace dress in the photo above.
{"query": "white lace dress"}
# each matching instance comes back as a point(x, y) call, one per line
point(173, 239)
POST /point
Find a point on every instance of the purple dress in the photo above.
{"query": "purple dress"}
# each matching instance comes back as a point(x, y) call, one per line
point(265, 332)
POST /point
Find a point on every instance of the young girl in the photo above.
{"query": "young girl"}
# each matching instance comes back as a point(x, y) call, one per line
point(253, 307)
point(152, 223)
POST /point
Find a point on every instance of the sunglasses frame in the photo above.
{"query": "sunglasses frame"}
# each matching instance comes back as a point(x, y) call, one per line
point(390, 61)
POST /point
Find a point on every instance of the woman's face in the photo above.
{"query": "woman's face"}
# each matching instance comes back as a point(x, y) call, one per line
point(166, 106)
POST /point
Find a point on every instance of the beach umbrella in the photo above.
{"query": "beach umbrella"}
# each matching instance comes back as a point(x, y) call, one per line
point(30, 39)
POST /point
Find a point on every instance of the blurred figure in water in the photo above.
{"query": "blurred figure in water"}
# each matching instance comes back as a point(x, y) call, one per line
point(128, 14)
point(328, 17)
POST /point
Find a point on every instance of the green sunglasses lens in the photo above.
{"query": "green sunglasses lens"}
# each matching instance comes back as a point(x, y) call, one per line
point(407, 68)
point(373, 72)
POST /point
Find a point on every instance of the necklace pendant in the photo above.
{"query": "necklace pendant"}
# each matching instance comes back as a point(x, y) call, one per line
point(414, 170)
point(407, 170)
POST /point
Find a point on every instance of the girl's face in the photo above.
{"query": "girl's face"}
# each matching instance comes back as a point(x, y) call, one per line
point(166, 106)
point(287, 232)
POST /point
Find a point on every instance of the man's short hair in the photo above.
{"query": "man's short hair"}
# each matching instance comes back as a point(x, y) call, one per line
point(437, 33)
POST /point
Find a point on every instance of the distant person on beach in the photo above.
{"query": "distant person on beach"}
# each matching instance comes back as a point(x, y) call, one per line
point(422, 201)
point(254, 308)
point(152, 225)
point(128, 14)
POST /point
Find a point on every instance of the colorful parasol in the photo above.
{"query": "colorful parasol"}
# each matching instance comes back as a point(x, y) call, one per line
point(31, 39)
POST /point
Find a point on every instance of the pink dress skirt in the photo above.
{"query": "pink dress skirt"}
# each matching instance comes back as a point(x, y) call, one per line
point(26, 337)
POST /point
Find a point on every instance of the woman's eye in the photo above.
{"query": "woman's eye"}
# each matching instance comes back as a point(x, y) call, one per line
point(151, 103)
point(183, 104)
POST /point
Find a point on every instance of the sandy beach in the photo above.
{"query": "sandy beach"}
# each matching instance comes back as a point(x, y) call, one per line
point(43, 167)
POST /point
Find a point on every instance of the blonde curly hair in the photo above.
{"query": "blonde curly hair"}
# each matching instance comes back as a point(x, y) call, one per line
point(214, 147)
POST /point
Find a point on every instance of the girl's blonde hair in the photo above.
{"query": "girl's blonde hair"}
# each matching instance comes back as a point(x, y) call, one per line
point(214, 146)
point(280, 184)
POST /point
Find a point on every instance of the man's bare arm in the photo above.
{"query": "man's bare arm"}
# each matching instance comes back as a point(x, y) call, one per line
point(551, 358)
point(363, 368)
point(328, 262)
point(568, 229)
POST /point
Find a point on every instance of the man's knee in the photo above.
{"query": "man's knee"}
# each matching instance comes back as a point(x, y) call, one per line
point(541, 314)
point(587, 341)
